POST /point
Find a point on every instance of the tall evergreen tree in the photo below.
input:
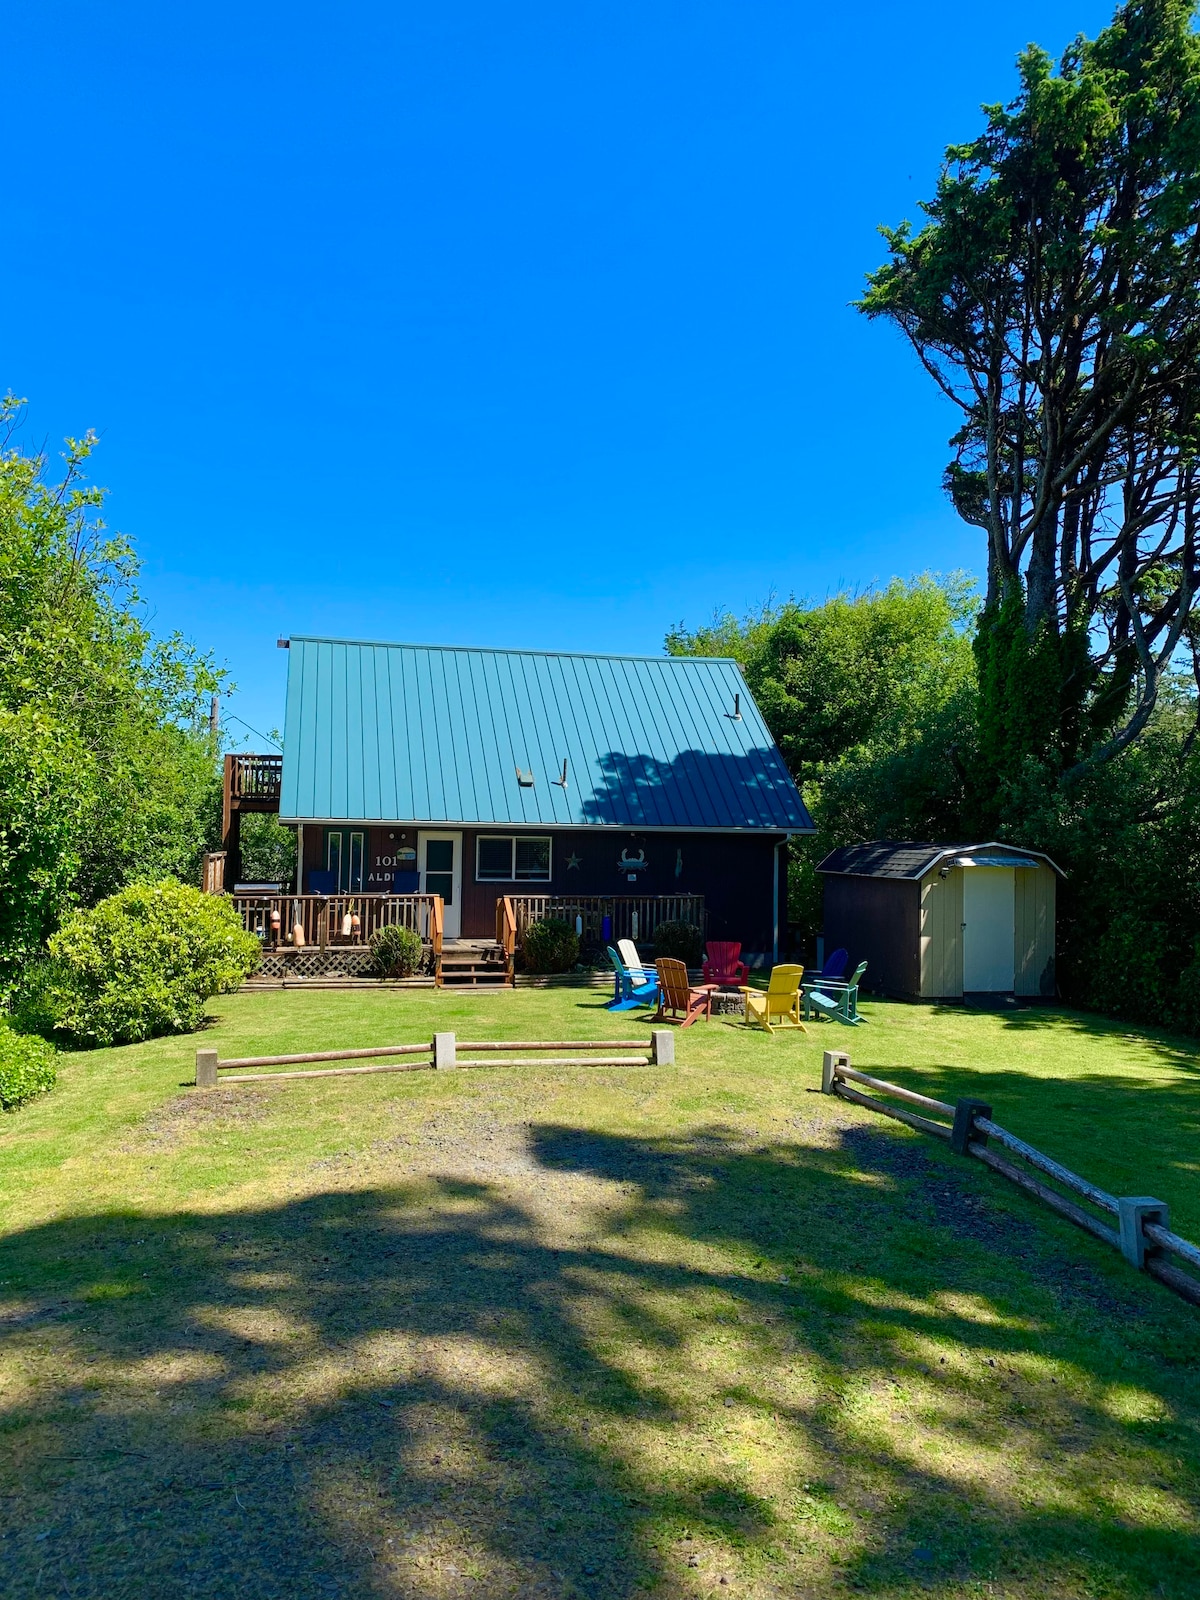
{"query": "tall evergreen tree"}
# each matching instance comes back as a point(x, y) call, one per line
point(1054, 296)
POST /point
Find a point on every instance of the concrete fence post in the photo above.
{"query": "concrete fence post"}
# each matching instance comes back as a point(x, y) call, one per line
point(830, 1061)
point(965, 1132)
point(444, 1050)
point(206, 1069)
point(662, 1047)
point(1133, 1211)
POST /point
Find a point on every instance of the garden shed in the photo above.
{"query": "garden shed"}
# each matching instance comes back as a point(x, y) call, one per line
point(940, 922)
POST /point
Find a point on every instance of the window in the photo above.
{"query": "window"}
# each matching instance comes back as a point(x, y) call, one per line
point(345, 851)
point(508, 859)
point(439, 868)
point(494, 859)
point(532, 857)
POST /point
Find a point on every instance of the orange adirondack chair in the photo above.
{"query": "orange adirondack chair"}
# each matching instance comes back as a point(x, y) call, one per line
point(723, 962)
point(677, 1000)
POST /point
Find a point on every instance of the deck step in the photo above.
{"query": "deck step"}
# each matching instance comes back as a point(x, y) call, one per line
point(474, 964)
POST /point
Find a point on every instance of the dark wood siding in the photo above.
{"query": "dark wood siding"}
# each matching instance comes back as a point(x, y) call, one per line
point(879, 922)
point(734, 873)
point(382, 843)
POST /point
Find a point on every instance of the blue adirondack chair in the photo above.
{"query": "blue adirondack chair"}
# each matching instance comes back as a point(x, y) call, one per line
point(630, 988)
point(838, 1004)
point(832, 974)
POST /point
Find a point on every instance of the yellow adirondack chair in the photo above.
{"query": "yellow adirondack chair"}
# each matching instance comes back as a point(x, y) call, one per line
point(779, 1003)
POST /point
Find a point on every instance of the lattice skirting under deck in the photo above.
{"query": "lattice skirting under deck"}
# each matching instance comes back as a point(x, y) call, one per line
point(333, 963)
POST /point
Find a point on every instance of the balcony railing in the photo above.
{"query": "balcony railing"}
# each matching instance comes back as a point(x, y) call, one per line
point(325, 921)
point(633, 916)
point(255, 777)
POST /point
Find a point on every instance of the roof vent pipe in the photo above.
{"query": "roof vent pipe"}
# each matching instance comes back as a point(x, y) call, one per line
point(736, 714)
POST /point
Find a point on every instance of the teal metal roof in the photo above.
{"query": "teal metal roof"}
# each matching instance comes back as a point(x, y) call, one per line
point(429, 733)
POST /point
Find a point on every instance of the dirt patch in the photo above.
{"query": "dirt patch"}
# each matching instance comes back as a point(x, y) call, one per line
point(180, 1118)
point(958, 1208)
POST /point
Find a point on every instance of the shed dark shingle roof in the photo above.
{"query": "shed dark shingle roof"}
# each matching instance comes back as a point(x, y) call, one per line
point(891, 858)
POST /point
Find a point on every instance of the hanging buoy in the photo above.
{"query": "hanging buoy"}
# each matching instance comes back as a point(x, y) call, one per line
point(346, 926)
point(355, 924)
point(298, 935)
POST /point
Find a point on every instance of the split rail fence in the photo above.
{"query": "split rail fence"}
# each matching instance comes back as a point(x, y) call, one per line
point(1142, 1233)
point(442, 1051)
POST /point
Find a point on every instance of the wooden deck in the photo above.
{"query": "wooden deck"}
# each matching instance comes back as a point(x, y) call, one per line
point(301, 931)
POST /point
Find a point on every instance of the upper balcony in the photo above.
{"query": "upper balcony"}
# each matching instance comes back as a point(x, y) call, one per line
point(253, 782)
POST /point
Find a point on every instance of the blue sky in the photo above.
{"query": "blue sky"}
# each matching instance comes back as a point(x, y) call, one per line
point(512, 325)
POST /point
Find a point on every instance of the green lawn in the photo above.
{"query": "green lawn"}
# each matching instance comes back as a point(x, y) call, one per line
point(685, 1330)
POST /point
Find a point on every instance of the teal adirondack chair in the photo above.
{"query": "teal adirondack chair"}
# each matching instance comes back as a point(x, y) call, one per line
point(631, 988)
point(841, 1006)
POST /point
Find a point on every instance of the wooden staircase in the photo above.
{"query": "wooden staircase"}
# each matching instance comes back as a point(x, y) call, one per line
point(474, 964)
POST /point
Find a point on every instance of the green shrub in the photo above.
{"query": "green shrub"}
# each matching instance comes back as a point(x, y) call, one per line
point(551, 945)
point(26, 1068)
point(681, 940)
point(33, 1005)
point(395, 952)
point(139, 964)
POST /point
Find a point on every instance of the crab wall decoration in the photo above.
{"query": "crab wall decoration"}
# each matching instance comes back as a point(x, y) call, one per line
point(632, 865)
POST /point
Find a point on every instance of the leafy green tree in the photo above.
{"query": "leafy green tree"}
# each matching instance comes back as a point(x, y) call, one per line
point(107, 770)
point(1128, 836)
point(1054, 297)
point(871, 699)
point(268, 849)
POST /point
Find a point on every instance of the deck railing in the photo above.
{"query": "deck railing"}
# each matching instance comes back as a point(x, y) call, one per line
point(506, 932)
point(255, 777)
point(633, 916)
point(326, 920)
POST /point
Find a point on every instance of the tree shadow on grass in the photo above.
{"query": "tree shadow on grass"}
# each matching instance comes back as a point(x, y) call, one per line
point(1177, 1050)
point(432, 1389)
point(1127, 1132)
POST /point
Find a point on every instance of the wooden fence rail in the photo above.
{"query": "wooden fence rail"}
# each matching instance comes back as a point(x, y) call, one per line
point(441, 1051)
point(1142, 1234)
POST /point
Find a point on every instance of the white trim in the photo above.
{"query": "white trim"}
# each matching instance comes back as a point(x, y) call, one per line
point(503, 828)
point(452, 927)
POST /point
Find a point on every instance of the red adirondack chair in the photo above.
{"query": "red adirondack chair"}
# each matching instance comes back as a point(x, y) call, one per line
point(723, 962)
point(677, 1000)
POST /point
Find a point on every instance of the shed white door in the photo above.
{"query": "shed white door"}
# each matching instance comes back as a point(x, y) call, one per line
point(440, 859)
point(989, 912)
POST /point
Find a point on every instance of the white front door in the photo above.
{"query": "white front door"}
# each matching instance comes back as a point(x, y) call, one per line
point(439, 858)
point(989, 916)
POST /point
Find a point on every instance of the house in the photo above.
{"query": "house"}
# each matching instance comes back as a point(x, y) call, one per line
point(632, 788)
point(940, 922)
